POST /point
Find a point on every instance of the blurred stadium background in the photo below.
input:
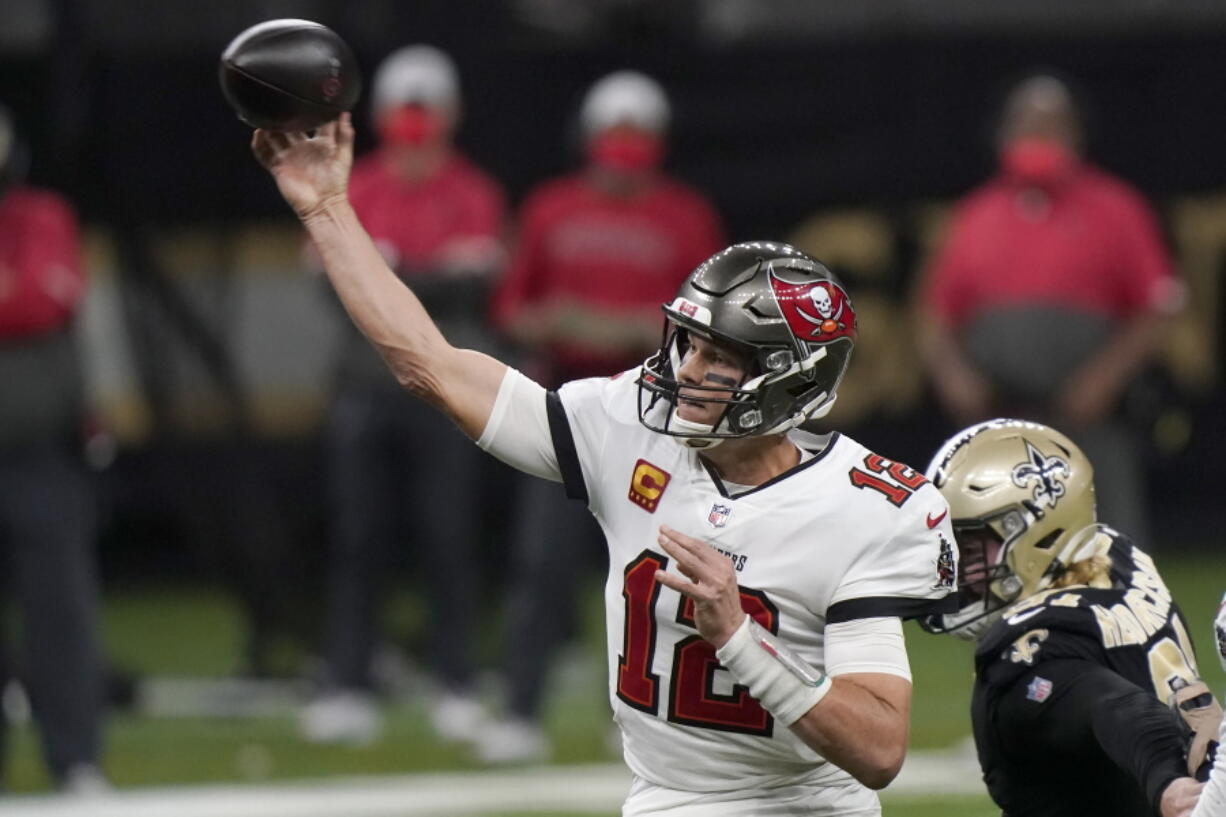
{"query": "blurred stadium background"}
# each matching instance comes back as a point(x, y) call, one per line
point(848, 127)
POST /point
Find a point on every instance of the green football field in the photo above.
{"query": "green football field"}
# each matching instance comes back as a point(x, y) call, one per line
point(196, 632)
point(903, 807)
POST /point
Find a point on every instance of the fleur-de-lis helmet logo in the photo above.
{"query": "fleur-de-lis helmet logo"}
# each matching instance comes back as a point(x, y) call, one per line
point(1047, 474)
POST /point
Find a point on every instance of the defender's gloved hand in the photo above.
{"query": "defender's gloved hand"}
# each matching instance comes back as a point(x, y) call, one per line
point(1202, 716)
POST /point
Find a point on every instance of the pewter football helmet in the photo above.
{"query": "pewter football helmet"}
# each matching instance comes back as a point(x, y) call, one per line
point(789, 317)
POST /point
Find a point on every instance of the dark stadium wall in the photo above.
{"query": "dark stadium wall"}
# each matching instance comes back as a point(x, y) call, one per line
point(770, 130)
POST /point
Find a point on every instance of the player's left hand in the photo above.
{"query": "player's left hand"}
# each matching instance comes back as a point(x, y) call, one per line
point(711, 584)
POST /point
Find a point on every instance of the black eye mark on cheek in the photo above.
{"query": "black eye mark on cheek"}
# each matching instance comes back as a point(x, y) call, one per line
point(722, 380)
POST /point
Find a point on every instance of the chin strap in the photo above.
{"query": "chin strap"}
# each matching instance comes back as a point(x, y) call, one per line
point(699, 440)
point(824, 403)
point(698, 430)
point(702, 435)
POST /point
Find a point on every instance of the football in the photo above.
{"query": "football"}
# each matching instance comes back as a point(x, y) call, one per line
point(289, 75)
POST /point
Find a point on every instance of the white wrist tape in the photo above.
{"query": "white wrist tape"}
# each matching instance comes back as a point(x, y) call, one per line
point(783, 683)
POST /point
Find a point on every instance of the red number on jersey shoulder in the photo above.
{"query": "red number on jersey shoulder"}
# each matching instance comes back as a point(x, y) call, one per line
point(896, 482)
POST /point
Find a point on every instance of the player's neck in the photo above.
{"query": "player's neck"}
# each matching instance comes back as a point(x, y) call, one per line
point(753, 460)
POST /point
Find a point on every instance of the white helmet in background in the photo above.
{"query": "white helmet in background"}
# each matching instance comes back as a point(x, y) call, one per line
point(625, 98)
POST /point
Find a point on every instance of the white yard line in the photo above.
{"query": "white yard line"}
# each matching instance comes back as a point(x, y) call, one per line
point(598, 789)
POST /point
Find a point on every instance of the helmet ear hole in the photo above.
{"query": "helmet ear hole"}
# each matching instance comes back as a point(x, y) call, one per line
point(1050, 539)
point(800, 389)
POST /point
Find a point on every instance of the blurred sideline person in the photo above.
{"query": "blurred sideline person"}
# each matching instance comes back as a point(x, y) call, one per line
point(395, 464)
point(598, 252)
point(1081, 652)
point(790, 693)
point(1049, 294)
point(47, 513)
point(1212, 802)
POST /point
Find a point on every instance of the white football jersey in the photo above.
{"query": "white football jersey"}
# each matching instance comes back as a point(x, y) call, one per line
point(844, 535)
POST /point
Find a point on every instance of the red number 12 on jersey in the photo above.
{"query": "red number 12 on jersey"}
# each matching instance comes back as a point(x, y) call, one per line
point(902, 482)
point(692, 699)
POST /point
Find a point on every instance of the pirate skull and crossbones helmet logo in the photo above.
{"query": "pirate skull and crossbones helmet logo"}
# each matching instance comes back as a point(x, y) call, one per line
point(815, 311)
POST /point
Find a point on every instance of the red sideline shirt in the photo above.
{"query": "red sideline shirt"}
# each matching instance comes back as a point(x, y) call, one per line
point(621, 254)
point(1093, 246)
point(411, 223)
point(40, 262)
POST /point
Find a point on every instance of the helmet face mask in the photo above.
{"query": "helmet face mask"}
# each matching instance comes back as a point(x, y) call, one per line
point(746, 406)
point(660, 383)
point(757, 299)
point(1022, 500)
point(986, 585)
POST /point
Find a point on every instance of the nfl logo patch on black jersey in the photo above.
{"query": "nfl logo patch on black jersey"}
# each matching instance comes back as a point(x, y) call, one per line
point(1038, 690)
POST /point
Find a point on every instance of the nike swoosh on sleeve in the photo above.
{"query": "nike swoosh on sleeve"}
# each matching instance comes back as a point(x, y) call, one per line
point(932, 523)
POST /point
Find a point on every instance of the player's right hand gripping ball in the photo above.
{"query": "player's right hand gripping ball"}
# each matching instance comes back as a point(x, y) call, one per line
point(289, 75)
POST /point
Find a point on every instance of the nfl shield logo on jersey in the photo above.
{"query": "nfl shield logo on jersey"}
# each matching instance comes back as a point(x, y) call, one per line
point(1039, 689)
point(718, 517)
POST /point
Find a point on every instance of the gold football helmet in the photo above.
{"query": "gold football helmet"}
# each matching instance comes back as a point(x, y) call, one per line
point(1021, 496)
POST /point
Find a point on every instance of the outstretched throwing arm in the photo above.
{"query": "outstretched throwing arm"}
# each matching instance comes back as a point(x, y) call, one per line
point(312, 173)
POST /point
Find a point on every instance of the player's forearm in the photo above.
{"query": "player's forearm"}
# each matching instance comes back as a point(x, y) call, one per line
point(1140, 735)
point(857, 731)
point(858, 720)
point(383, 308)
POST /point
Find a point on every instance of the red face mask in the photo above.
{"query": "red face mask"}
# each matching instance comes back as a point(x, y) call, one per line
point(410, 126)
point(626, 150)
point(1037, 162)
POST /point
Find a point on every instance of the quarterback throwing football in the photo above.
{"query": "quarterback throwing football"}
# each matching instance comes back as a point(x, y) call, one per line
point(758, 573)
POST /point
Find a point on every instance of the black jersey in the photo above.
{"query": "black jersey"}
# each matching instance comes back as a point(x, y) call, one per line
point(1069, 706)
